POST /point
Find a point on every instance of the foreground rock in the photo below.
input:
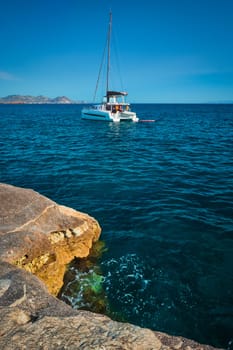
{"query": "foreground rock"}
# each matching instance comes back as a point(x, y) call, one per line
point(33, 319)
point(42, 236)
point(32, 227)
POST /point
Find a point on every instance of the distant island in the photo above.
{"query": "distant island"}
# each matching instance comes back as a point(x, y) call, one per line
point(20, 99)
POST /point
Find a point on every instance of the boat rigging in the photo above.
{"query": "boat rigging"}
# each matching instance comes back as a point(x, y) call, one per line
point(113, 107)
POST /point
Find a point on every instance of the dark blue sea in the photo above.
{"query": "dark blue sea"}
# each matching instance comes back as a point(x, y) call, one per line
point(163, 194)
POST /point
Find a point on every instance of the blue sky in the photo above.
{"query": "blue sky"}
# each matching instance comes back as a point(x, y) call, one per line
point(167, 50)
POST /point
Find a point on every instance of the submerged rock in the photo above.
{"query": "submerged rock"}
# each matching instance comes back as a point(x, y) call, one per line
point(41, 236)
point(83, 283)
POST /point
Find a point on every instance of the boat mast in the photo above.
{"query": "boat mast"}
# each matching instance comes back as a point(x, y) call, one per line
point(109, 47)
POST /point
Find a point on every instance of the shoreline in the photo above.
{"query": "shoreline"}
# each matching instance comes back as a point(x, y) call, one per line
point(27, 307)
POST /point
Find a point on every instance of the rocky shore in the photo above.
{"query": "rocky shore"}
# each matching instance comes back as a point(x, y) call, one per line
point(38, 238)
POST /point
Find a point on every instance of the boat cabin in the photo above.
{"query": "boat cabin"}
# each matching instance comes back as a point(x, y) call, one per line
point(114, 96)
point(115, 101)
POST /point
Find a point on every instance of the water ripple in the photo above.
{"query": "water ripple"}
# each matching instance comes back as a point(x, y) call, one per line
point(163, 193)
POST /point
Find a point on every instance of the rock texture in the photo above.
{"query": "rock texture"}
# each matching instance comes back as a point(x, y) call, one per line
point(32, 226)
point(42, 236)
point(33, 319)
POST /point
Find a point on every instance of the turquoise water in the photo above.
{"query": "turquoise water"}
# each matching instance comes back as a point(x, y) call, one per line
point(163, 194)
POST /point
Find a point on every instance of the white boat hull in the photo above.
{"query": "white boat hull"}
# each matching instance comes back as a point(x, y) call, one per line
point(93, 114)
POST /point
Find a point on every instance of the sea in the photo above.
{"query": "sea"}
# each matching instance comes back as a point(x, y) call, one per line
point(162, 192)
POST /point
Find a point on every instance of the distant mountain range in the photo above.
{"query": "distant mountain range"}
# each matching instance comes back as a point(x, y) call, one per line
point(19, 99)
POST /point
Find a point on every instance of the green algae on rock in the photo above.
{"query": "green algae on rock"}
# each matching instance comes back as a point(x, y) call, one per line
point(83, 282)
